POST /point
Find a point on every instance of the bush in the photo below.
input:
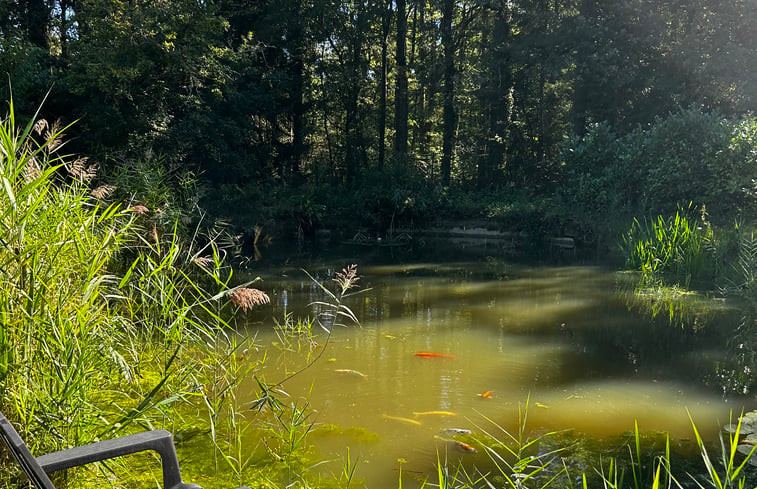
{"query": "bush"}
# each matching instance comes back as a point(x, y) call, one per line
point(689, 156)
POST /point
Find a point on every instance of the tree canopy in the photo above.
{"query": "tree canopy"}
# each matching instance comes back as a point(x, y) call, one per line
point(449, 93)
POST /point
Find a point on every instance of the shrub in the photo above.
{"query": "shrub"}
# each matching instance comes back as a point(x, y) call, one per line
point(689, 156)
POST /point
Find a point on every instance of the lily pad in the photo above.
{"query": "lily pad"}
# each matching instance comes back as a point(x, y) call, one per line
point(752, 415)
point(730, 428)
point(745, 449)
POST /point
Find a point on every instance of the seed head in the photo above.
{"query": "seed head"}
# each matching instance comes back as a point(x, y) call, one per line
point(138, 209)
point(32, 170)
point(246, 299)
point(202, 261)
point(40, 126)
point(347, 278)
point(102, 191)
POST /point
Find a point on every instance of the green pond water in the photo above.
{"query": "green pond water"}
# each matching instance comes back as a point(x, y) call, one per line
point(546, 330)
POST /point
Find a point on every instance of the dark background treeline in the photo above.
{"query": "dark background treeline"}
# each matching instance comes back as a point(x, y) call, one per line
point(398, 111)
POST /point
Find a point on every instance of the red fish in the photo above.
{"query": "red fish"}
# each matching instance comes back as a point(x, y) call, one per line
point(431, 354)
point(486, 394)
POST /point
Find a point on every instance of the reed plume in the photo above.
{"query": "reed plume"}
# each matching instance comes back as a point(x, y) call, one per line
point(138, 209)
point(347, 278)
point(102, 191)
point(202, 261)
point(32, 170)
point(40, 126)
point(246, 299)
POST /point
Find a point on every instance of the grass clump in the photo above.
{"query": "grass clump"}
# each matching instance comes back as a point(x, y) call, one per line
point(671, 250)
point(108, 323)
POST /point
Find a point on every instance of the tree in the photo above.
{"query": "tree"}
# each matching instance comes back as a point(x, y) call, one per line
point(449, 118)
point(386, 17)
point(401, 89)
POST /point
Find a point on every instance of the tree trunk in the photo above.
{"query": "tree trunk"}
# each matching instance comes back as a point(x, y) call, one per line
point(448, 121)
point(37, 19)
point(298, 82)
point(581, 90)
point(500, 95)
point(63, 27)
point(353, 155)
point(385, 24)
point(401, 95)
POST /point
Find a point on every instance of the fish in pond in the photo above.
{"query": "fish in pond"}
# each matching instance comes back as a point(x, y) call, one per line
point(485, 395)
point(433, 354)
point(402, 420)
point(349, 371)
point(464, 447)
point(435, 413)
point(456, 431)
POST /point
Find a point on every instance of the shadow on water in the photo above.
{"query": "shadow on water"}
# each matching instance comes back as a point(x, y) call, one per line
point(558, 332)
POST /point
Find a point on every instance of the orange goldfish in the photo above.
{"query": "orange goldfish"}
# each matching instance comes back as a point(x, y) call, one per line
point(431, 354)
point(486, 394)
point(464, 447)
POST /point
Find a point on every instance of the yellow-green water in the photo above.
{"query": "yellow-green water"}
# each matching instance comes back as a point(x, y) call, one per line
point(558, 336)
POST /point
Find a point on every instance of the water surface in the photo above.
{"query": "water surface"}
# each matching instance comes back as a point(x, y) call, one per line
point(557, 336)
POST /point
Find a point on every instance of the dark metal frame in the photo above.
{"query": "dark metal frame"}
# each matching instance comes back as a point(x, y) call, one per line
point(37, 468)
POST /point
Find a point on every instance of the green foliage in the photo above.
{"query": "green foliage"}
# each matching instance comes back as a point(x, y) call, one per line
point(87, 353)
point(731, 473)
point(294, 330)
point(688, 156)
point(54, 253)
point(674, 250)
point(520, 458)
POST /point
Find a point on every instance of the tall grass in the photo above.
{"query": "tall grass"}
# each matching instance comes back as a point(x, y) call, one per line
point(105, 320)
point(55, 247)
point(669, 250)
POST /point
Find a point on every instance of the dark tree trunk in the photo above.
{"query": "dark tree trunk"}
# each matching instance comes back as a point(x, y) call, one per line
point(401, 95)
point(581, 88)
point(385, 24)
point(499, 93)
point(353, 153)
point(37, 20)
point(449, 116)
point(298, 81)
point(63, 27)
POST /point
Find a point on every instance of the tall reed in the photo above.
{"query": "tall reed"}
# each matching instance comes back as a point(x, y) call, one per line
point(669, 250)
point(102, 317)
point(55, 244)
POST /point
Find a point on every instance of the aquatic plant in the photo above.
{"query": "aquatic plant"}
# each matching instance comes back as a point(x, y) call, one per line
point(517, 457)
point(731, 473)
point(669, 250)
point(613, 475)
point(294, 330)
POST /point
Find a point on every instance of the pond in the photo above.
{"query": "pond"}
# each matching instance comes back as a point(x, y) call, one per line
point(508, 330)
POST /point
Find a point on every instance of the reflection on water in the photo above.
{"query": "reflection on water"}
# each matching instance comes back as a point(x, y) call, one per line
point(559, 336)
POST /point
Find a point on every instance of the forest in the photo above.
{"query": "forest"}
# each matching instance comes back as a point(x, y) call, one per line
point(473, 108)
point(148, 147)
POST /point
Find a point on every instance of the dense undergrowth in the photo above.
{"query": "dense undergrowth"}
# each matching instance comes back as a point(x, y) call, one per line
point(689, 159)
